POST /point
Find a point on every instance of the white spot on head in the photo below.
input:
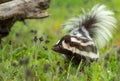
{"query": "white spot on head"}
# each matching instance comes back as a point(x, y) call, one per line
point(65, 46)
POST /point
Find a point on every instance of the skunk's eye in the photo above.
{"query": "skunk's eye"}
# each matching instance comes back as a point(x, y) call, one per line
point(60, 46)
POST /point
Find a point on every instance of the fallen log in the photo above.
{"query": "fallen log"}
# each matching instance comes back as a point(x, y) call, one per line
point(15, 10)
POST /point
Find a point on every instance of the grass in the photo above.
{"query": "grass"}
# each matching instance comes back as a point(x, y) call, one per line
point(25, 57)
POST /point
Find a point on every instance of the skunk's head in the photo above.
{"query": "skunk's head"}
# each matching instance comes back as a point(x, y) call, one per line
point(62, 45)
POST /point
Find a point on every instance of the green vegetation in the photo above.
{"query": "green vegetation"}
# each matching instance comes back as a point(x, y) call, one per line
point(24, 56)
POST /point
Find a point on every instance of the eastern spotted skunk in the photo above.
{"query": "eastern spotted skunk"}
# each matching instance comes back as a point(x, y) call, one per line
point(86, 32)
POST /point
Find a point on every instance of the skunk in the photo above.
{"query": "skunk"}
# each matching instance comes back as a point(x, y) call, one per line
point(86, 33)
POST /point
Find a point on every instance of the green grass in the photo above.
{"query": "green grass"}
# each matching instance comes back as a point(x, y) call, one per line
point(26, 60)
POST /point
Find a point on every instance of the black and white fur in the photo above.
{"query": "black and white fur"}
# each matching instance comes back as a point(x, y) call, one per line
point(85, 31)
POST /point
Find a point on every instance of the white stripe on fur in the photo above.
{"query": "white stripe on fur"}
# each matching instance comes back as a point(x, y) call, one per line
point(58, 42)
point(83, 53)
point(81, 43)
point(86, 32)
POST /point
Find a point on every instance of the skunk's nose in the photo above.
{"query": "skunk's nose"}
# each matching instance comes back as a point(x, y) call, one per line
point(55, 48)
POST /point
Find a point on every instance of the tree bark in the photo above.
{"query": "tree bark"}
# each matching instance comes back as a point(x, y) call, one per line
point(3, 1)
point(15, 10)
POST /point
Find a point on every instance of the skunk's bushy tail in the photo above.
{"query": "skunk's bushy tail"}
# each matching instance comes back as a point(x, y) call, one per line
point(99, 22)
